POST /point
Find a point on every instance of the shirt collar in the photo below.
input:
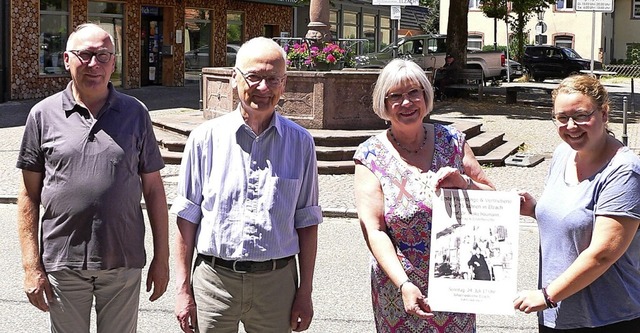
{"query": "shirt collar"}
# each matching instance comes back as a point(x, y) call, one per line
point(238, 122)
point(69, 102)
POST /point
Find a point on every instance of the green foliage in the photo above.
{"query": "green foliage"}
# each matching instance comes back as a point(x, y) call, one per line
point(521, 12)
point(495, 8)
point(490, 48)
point(633, 54)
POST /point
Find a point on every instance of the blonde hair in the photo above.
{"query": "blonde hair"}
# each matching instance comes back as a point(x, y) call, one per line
point(586, 85)
point(395, 73)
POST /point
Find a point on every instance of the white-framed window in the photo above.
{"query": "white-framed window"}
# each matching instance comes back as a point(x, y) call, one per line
point(334, 23)
point(54, 29)
point(474, 42)
point(565, 5)
point(369, 29)
point(475, 4)
point(563, 41)
point(636, 8)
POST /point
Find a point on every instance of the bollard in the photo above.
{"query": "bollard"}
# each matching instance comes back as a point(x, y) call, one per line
point(633, 99)
point(200, 84)
point(625, 101)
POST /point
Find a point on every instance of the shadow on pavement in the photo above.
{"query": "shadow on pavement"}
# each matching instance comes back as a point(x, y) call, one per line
point(14, 113)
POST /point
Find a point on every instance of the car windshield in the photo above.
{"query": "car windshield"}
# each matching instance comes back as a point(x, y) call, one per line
point(571, 53)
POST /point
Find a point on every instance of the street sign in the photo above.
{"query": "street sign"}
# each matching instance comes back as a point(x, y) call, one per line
point(541, 28)
point(396, 12)
point(396, 2)
point(605, 6)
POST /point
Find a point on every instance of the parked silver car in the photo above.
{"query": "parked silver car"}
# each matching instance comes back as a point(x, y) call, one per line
point(198, 58)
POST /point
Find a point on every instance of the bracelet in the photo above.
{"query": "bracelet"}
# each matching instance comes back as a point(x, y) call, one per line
point(547, 300)
point(402, 284)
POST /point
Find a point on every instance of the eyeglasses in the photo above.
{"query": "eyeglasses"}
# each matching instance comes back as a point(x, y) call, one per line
point(413, 95)
point(561, 119)
point(255, 79)
point(86, 56)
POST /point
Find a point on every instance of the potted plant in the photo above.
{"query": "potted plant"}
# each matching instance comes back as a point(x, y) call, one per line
point(301, 56)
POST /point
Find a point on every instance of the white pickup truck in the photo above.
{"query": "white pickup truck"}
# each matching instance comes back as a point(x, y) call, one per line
point(429, 52)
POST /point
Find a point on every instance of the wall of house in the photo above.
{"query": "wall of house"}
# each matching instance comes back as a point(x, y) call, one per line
point(625, 28)
point(25, 81)
point(577, 24)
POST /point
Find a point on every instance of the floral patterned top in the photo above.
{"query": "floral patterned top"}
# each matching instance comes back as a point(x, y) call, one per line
point(407, 214)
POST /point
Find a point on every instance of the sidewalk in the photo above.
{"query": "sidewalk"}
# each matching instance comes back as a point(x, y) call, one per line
point(526, 122)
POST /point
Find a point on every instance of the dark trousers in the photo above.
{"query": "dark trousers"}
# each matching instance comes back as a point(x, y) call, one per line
point(629, 326)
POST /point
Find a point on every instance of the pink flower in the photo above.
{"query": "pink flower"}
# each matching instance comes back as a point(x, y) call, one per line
point(331, 59)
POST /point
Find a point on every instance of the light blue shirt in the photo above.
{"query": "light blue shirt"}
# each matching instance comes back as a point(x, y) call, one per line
point(566, 215)
point(248, 193)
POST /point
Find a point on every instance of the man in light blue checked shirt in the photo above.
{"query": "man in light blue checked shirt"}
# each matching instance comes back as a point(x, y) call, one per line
point(248, 204)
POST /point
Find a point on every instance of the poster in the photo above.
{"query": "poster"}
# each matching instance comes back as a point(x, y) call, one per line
point(474, 251)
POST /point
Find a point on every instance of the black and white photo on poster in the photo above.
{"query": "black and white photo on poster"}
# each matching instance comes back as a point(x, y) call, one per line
point(474, 251)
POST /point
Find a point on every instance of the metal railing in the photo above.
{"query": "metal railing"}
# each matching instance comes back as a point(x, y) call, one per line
point(624, 70)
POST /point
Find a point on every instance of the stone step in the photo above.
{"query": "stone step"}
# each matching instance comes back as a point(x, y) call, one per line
point(169, 139)
point(341, 138)
point(324, 153)
point(336, 167)
point(497, 156)
point(484, 142)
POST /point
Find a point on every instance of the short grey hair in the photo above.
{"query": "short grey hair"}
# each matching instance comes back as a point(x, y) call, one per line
point(395, 73)
point(258, 43)
point(83, 26)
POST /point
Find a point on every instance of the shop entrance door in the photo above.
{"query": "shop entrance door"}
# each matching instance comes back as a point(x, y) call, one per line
point(151, 36)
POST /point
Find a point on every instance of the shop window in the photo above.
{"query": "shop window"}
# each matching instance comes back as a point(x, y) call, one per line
point(369, 30)
point(564, 5)
point(350, 26)
point(54, 29)
point(564, 41)
point(334, 24)
point(235, 28)
point(197, 40)
point(636, 9)
point(385, 32)
point(475, 4)
point(109, 16)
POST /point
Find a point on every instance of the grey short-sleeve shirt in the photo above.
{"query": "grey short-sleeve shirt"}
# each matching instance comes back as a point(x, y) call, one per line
point(92, 189)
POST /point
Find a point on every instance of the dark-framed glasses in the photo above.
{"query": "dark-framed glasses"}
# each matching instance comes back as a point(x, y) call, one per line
point(253, 79)
point(86, 56)
point(578, 118)
point(412, 95)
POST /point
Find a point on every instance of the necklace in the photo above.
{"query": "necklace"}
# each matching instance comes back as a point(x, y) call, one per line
point(424, 142)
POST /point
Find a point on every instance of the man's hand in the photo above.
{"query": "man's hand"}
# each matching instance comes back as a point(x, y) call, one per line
point(158, 278)
point(186, 312)
point(301, 311)
point(38, 289)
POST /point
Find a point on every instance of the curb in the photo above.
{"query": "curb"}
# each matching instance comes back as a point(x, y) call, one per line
point(329, 212)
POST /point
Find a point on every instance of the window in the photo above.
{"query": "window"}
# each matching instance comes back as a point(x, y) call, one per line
point(474, 42)
point(636, 8)
point(110, 15)
point(350, 27)
point(385, 32)
point(333, 23)
point(54, 29)
point(564, 41)
point(369, 31)
point(564, 5)
point(235, 28)
point(197, 38)
point(475, 4)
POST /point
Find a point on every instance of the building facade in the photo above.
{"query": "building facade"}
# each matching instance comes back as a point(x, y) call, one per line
point(565, 26)
point(156, 41)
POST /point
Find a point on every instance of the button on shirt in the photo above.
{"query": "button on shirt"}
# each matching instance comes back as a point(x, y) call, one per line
point(248, 193)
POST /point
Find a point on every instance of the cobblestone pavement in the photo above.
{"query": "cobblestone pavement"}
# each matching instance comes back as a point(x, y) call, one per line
point(525, 122)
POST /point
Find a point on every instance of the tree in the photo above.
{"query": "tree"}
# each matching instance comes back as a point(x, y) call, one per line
point(522, 11)
point(496, 9)
point(457, 31)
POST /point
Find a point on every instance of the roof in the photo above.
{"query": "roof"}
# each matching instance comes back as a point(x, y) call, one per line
point(413, 17)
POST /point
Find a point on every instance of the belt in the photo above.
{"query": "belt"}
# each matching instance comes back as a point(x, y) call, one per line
point(246, 266)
